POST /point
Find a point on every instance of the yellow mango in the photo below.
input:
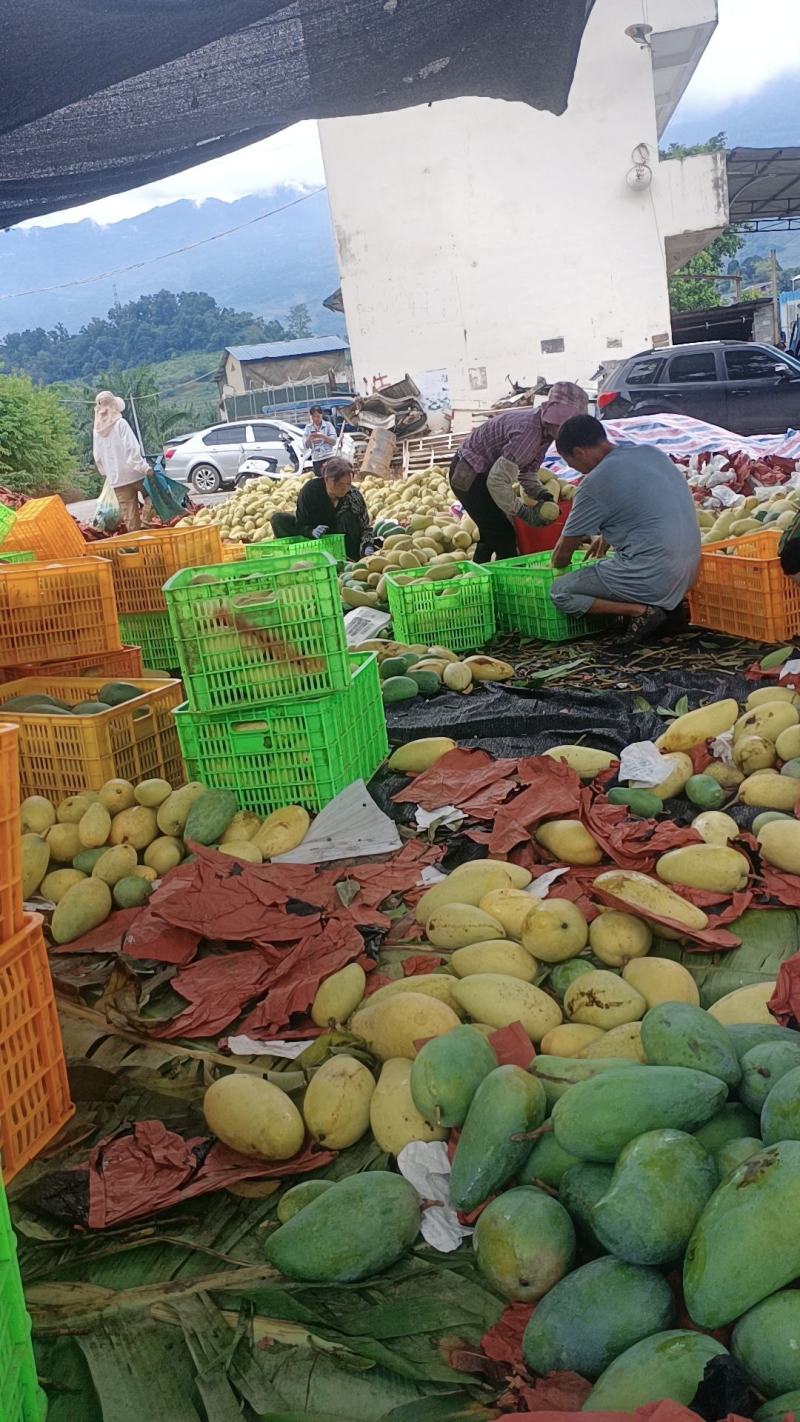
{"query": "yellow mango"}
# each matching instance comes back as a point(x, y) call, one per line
point(570, 1039)
point(715, 827)
point(137, 826)
point(393, 1117)
point(729, 777)
point(115, 864)
point(555, 931)
point(768, 790)
point(772, 693)
point(117, 795)
point(753, 753)
point(500, 1000)
point(438, 985)
point(253, 1117)
point(705, 866)
point(584, 760)
point(339, 995)
point(788, 743)
point(244, 825)
point(646, 896)
point(498, 956)
point(152, 793)
point(35, 856)
point(243, 849)
point(163, 854)
point(282, 831)
point(393, 1026)
point(37, 815)
point(416, 756)
point(745, 1004)
point(72, 810)
point(661, 980)
point(780, 845)
point(700, 725)
point(569, 841)
point(624, 1041)
point(94, 827)
point(55, 885)
point(336, 1103)
point(678, 768)
point(174, 812)
point(466, 885)
point(510, 907)
point(603, 999)
point(84, 907)
point(64, 843)
point(455, 925)
point(616, 937)
point(767, 720)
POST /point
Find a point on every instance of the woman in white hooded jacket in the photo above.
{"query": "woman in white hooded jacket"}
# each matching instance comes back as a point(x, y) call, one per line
point(118, 456)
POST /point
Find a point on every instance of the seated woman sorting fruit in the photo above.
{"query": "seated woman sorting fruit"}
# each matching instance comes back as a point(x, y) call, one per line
point(329, 504)
point(636, 502)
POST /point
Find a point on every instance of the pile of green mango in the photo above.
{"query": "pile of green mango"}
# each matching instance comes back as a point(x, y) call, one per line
point(605, 1179)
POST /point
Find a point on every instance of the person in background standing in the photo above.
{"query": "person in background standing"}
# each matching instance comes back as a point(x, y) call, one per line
point(518, 438)
point(118, 457)
point(319, 437)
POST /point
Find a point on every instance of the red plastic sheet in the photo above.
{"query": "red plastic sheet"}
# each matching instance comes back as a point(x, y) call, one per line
point(553, 792)
point(785, 1001)
point(153, 1169)
point(460, 776)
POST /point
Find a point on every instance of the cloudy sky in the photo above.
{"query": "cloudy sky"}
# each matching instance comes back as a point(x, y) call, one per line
point(745, 55)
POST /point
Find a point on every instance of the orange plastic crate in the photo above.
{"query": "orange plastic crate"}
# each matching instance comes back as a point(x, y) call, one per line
point(11, 916)
point(54, 612)
point(142, 562)
point(232, 552)
point(114, 666)
point(744, 592)
point(46, 528)
point(34, 1093)
point(61, 755)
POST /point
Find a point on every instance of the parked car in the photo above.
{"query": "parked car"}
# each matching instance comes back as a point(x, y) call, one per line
point(740, 385)
point(210, 459)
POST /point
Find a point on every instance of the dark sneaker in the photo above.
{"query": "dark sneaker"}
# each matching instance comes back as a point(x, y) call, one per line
point(648, 626)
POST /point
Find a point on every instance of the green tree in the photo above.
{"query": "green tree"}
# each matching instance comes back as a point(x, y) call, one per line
point(37, 434)
point(298, 322)
point(687, 289)
point(716, 144)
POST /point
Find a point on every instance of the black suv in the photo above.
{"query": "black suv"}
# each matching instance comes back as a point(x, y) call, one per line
point(744, 387)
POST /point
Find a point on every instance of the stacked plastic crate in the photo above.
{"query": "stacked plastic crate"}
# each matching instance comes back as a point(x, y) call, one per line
point(277, 708)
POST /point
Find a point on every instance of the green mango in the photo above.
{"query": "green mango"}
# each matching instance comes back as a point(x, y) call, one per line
point(746, 1243)
point(679, 1035)
point(593, 1315)
point(661, 1183)
point(766, 1341)
point(580, 1189)
point(428, 682)
point(393, 666)
point(563, 975)
point(358, 1228)
point(734, 1152)
point(398, 688)
point(86, 860)
point(446, 1073)
point(667, 1366)
point(780, 1117)
point(210, 814)
point(762, 1067)
point(640, 802)
point(792, 767)
point(89, 708)
point(116, 693)
point(750, 1034)
point(766, 818)
point(509, 1102)
point(524, 1243)
point(558, 1074)
point(296, 1198)
point(729, 1123)
point(778, 1407)
point(546, 1163)
point(705, 792)
point(598, 1117)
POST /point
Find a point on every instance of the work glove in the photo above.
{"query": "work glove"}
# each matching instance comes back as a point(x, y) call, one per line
point(500, 484)
point(320, 530)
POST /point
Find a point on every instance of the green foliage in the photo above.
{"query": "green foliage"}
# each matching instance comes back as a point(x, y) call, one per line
point(687, 289)
point(716, 144)
point(155, 327)
point(37, 435)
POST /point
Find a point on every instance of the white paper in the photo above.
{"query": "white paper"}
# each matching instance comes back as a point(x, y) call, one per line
point(424, 1164)
point(364, 624)
point(540, 887)
point(446, 816)
point(350, 827)
point(431, 875)
point(243, 1046)
point(790, 668)
point(726, 496)
point(722, 748)
point(643, 761)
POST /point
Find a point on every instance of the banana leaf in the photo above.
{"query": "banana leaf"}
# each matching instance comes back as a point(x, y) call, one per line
point(769, 937)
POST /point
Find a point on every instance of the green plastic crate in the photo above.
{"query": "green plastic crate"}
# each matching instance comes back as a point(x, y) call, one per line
point(523, 603)
point(151, 632)
point(23, 556)
point(332, 543)
point(21, 1398)
point(8, 518)
point(456, 611)
point(297, 753)
point(248, 632)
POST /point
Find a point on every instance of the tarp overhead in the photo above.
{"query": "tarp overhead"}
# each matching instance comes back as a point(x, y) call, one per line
point(100, 96)
point(763, 183)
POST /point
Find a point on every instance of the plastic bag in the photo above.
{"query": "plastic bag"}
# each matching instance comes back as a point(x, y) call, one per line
point(107, 515)
point(167, 496)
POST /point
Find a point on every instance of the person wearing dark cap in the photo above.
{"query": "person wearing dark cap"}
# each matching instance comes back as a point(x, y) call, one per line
point(329, 504)
point(505, 449)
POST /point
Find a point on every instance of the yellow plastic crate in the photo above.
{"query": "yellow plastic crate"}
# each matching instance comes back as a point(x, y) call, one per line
point(61, 755)
point(55, 612)
point(142, 563)
point(46, 528)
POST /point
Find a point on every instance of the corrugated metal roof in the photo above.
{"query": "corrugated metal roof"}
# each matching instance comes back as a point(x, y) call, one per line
point(279, 350)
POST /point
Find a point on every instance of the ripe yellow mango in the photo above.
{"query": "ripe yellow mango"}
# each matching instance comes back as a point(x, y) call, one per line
point(646, 896)
point(393, 1117)
point(253, 1117)
point(768, 790)
point(497, 956)
point(767, 720)
point(603, 999)
point(339, 995)
point(788, 743)
point(282, 831)
point(54, 886)
point(510, 907)
point(661, 980)
point(94, 827)
point(753, 753)
point(624, 1042)
point(780, 844)
point(570, 1039)
point(117, 863)
point(466, 885)
point(555, 931)
point(616, 937)
point(137, 826)
point(569, 841)
point(700, 725)
point(416, 756)
point(678, 768)
point(584, 760)
point(35, 856)
point(745, 1004)
point(705, 866)
point(500, 1000)
point(37, 815)
point(772, 693)
point(393, 1026)
point(84, 907)
point(64, 843)
point(715, 827)
point(438, 985)
point(336, 1103)
point(244, 825)
point(456, 925)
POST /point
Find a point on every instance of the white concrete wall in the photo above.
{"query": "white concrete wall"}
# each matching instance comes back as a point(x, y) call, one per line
point(692, 204)
point(471, 232)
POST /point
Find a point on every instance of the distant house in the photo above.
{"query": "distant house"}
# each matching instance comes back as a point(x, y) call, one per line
point(263, 379)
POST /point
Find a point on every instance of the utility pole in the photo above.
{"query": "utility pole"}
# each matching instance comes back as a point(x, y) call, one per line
point(776, 319)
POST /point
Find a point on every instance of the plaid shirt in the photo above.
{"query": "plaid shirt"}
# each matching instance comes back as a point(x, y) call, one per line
point(516, 435)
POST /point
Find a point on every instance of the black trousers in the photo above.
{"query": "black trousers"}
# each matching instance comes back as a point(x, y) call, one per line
point(495, 534)
point(285, 525)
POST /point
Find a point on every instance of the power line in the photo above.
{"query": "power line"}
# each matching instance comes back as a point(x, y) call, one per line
point(136, 266)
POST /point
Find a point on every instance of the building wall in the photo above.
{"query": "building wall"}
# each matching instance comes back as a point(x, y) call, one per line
point(239, 378)
point(488, 240)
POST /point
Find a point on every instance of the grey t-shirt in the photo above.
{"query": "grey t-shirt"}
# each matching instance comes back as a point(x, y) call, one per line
point(640, 502)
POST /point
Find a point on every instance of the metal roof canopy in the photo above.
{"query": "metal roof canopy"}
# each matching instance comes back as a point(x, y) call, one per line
point(102, 98)
point(764, 187)
point(279, 350)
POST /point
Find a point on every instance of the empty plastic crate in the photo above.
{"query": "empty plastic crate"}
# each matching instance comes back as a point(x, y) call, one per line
point(34, 1093)
point(142, 562)
point(21, 1398)
point(455, 611)
point(741, 589)
point(247, 632)
point(11, 916)
point(298, 753)
point(112, 666)
point(152, 633)
point(332, 543)
point(61, 755)
point(523, 603)
point(45, 527)
point(53, 612)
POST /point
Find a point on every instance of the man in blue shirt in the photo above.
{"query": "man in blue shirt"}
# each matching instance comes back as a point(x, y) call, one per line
point(319, 437)
point(636, 502)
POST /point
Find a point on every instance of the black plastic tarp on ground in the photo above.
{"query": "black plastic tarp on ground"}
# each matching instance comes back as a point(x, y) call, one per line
point(100, 96)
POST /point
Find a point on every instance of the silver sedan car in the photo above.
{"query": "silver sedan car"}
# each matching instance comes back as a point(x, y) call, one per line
point(209, 459)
